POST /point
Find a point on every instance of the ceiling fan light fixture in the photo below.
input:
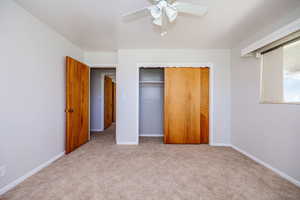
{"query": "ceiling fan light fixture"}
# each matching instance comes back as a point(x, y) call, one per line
point(155, 11)
point(172, 13)
point(158, 21)
point(166, 11)
point(163, 33)
point(163, 8)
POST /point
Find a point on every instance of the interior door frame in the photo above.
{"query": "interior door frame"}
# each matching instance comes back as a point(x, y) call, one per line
point(105, 67)
point(184, 65)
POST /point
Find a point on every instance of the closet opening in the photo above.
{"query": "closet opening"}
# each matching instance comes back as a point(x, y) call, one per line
point(151, 104)
point(174, 105)
point(103, 104)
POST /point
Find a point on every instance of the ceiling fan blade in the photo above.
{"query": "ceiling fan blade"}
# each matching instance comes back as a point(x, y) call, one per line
point(153, 1)
point(136, 14)
point(191, 9)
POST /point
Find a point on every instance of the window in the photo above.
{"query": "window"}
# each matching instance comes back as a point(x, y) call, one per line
point(280, 81)
point(291, 70)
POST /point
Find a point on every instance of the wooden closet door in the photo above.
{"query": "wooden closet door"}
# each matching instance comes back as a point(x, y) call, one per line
point(185, 103)
point(204, 106)
point(77, 104)
point(182, 106)
point(108, 102)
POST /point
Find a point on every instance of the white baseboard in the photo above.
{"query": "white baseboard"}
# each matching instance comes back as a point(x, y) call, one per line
point(30, 173)
point(220, 145)
point(96, 130)
point(277, 171)
point(127, 143)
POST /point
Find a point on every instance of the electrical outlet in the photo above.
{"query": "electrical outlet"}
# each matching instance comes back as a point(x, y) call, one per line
point(2, 171)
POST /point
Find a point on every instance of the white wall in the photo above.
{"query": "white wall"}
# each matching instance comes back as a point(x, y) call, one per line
point(105, 59)
point(32, 85)
point(269, 132)
point(127, 91)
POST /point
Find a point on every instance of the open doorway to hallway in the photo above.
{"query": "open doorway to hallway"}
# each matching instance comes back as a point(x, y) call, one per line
point(102, 103)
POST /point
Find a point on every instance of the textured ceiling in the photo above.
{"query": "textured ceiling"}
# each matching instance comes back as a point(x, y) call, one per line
point(96, 25)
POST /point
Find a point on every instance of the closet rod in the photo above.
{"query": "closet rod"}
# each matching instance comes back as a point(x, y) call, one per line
point(151, 82)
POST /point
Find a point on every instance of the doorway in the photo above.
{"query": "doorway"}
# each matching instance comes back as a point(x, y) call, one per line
point(102, 101)
point(90, 104)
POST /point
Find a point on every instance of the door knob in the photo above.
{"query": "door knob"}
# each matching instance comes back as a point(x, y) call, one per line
point(69, 110)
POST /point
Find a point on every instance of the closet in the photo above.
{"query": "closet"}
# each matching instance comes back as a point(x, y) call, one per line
point(174, 103)
point(151, 102)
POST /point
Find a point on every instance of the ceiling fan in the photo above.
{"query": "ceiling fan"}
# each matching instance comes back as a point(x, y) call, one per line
point(166, 11)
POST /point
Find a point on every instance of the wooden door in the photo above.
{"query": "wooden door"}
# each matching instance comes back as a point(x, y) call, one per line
point(114, 102)
point(204, 106)
point(77, 104)
point(108, 102)
point(186, 106)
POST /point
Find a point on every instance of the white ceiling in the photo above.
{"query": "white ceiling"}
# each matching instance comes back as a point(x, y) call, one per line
point(96, 25)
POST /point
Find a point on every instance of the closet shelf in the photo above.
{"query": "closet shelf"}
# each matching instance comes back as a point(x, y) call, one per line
point(151, 82)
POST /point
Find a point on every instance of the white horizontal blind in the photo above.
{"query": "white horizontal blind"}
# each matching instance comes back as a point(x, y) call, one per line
point(272, 76)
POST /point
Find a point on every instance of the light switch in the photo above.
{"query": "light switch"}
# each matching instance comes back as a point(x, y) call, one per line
point(2, 171)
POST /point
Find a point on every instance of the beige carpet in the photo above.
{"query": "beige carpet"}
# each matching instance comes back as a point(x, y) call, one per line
point(152, 170)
